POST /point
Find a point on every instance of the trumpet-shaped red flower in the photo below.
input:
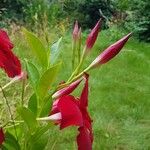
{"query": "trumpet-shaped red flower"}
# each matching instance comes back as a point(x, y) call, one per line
point(110, 52)
point(2, 136)
point(70, 112)
point(92, 36)
point(74, 112)
point(8, 61)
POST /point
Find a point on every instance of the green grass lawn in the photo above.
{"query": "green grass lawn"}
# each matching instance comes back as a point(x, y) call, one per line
point(119, 99)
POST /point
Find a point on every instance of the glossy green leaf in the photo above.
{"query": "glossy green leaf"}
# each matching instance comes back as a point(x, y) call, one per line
point(40, 138)
point(37, 47)
point(45, 110)
point(29, 118)
point(46, 81)
point(33, 74)
point(55, 51)
point(32, 104)
point(10, 142)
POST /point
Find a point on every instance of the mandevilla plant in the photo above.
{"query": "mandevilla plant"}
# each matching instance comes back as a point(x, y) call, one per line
point(49, 102)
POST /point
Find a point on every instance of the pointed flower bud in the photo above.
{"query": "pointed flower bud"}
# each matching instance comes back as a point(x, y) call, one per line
point(110, 52)
point(67, 90)
point(93, 36)
point(75, 31)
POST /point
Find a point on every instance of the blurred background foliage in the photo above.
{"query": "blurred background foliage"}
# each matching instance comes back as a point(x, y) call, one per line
point(59, 14)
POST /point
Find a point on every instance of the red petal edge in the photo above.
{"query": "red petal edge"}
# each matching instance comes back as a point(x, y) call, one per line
point(71, 114)
point(83, 139)
point(2, 136)
point(8, 61)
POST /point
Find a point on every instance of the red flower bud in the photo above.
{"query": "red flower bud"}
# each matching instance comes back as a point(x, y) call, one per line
point(67, 90)
point(110, 52)
point(93, 36)
point(75, 31)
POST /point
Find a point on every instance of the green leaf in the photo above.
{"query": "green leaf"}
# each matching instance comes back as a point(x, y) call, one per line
point(46, 81)
point(46, 107)
point(55, 51)
point(37, 47)
point(40, 138)
point(11, 142)
point(32, 104)
point(29, 118)
point(33, 74)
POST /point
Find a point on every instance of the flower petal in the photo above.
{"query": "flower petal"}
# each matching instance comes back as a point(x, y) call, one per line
point(5, 43)
point(87, 121)
point(2, 136)
point(84, 94)
point(71, 114)
point(8, 61)
point(55, 108)
point(83, 139)
point(110, 52)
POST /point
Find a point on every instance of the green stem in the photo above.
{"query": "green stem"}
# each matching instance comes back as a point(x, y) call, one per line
point(53, 146)
point(77, 69)
point(43, 104)
point(79, 51)
point(23, 91)
point(8, 84)
point(11, 126)
point(9, 109)
point(73, 54)
point(72, 79)
point(79, 75)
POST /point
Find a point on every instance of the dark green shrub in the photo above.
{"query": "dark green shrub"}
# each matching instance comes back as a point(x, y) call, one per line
point(88, 11)
point(142, 20)
point(137, 17)
point(10, 11)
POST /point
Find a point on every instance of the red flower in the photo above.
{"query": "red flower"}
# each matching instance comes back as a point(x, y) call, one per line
point(2, 136)
point(85, 137)
point(8, 61)
point(93, 36)
point(110, 52)
point(70, 112)
point(74, 112)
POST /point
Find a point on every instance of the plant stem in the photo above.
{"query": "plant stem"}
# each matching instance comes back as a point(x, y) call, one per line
point(53, 146)
point(53, 117)
point(73, 54)
point(13, 80)
point(79, 75)
point(6, 127)
point(23, 91)
point(6, 85)
point(79, 54)
point(9, 109)
point(79, 66)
